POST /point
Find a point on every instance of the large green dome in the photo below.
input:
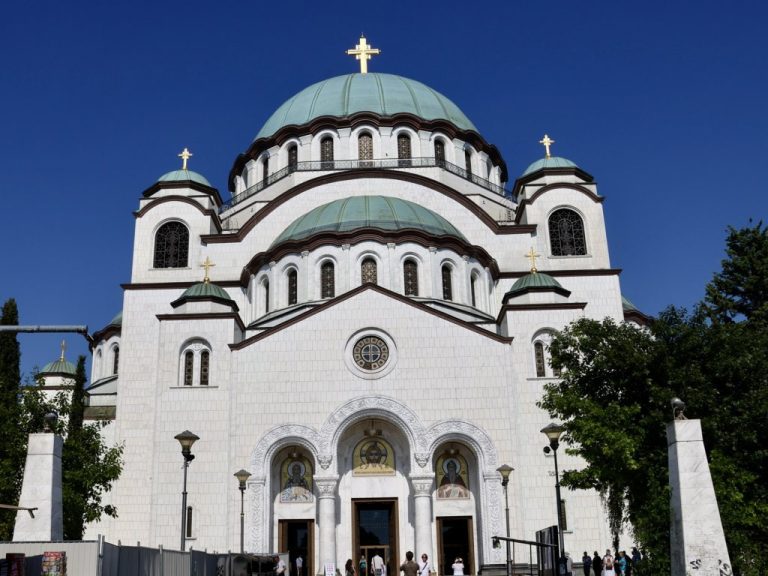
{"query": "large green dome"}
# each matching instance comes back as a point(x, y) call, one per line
point(383, 94)
point(382, 212)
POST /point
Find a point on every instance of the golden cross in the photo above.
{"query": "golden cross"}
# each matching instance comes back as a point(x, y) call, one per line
point(531, 255)
point(363, 52)
point(207, 265)
point(185, 155)
point(547, 142)
point(63, 348)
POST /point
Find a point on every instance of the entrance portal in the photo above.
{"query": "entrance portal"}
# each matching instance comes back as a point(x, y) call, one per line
point(375, 532)
point(455, 541)
point(296, 538)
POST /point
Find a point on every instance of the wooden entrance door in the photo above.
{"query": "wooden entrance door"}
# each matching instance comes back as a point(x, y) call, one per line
point(375, 532)
point(455, 540)
point(297, 538)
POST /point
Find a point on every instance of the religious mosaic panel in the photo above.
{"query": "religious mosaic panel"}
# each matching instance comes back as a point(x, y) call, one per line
point(452, 477)
point(296, 480)
point(373, 457)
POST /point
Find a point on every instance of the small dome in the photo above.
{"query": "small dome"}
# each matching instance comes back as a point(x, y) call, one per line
point(117, 320)
point(536, 281)
point(59, 366)
point(184, 176)
point(382, 212)
point(553, 162)
point(205, 290)
point(626, 304)
point(383, 94)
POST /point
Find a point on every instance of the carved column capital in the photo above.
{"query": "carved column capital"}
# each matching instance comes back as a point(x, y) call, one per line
point(326, 487)
point(422, 485)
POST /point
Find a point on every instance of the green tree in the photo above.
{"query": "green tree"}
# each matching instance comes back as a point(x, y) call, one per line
point(12, 440)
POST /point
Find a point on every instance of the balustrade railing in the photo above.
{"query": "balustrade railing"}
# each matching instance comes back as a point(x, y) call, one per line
point(384, 163)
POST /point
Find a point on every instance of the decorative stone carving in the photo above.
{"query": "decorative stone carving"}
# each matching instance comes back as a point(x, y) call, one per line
point(422, 458)
point(278, 438)
point(255, 514)
point(467, 433)
point(325, 460)
point(326, 487)
point(422, 485)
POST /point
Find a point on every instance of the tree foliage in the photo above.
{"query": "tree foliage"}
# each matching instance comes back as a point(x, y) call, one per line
point(614, 402)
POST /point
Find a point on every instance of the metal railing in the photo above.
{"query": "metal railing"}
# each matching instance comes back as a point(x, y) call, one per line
point(385, 164)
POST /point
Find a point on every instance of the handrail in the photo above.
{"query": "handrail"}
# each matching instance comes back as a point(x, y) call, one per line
point(383, 163)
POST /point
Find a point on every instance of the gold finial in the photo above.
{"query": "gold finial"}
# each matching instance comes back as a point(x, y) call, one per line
point(363, 52)
point(185, 155)
point(531, 255)
point(207, 265)
point(547, 142)
point(63, 348)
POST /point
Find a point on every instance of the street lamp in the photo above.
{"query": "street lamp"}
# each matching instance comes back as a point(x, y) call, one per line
point(504, 470)
point(186, 439)
point(242, 476)
point(553, 432)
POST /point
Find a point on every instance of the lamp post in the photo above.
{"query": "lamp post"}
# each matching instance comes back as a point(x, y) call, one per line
point(242, 476)
point(553, 432)
point(186, 439)
point(504, 470)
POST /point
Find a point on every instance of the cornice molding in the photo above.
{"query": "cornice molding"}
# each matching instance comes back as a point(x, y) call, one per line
point(191, 184)
point(214, 216)
point(558, 185)
point(203, 316)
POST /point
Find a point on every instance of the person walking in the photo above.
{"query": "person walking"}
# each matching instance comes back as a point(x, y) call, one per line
point(424, 566)
point(377, 565)
point(597, 564)
point(458, 567)
point(608, 560)
point(362, 566)
point(299, 565)
point(586, 563)
point(349, 569)
point(409, 567)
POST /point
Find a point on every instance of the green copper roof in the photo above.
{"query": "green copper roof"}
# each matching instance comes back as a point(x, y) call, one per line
point(59, 367)
point(183, 176)
point(382, 212)
point(383, 94)
point(117, 320)
point(553, 162)
point(536, 280)
point(205, 290)
point(626, 304)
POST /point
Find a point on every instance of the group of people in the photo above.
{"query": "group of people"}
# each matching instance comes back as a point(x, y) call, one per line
point(618, 564)
point(408, 568)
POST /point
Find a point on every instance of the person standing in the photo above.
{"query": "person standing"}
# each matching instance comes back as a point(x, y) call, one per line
point(458, 567)
point(608, 569)
point(409, 567)
point(586, 561)
point(597, 564)
point(377, 565)
point(299, 565)
point(362, 566)
point(280, 568)
point(424, 566)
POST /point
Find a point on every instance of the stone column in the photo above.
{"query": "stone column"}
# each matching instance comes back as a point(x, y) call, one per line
point(326, 519)
point(305, 278)
point(256, 525)
point(345, 275)
point(422, 504)
point(41, 489)
point(433, 287)
point(696, 537)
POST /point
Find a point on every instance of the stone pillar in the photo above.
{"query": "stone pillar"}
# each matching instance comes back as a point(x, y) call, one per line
point(42, 490)
point(345, 271)
point(433, 287)
point(326, 519)
point(422, 504)
point(256, 523)
point(305, 278)
point(696, 536)
point(273, 287)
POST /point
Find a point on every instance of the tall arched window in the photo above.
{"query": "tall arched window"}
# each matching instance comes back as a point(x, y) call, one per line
point(115, 359)
point(473, 289)
point(365, 147)
point(327, 280)
point(541, 356)
point(538, 352)
point(468, 161)
point(411, 278)
point(403, 150)
point(265, 168)
point(326, 152)
point(293, 158)
point(205, 357)
point(368, 271)
point(171, 246)
point(440, 152)
point(189, 365)
point(265, 284)
point(293, 292)
point(566, 233)
point(447, 282)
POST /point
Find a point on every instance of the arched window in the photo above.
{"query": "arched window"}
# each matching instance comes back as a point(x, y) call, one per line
point(411, 278)
point(265, 284)
point(97, 365)
point(538, 352)
point(468, 161)
point(440, 152)
point(293, 158)
point(327, 280)
point(265, 168)
point(403, 150)
point(326, 152)
point(115, 359)
point(566, 233)
point(368, 272)
point(447, 282)
point(204, 364)
point(189, 366)
point(171, 246)
point(293, 292)
point(473, 289)
point(365, 147)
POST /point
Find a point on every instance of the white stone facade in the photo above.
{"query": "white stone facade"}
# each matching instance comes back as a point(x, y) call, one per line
point(280, 381)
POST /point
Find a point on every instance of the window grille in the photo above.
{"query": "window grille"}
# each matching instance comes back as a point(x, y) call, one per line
point(327, 280)
point(171, 246)
point(411, 278)
point(293, 158)
point(368, 271)
point(116, 359)
point(403, 150)
point(365, 146)
point(204, 367)
point(447, 283)
point(468, 160)
point(293, 295)
point(326, 151)
point(439, 152)
point(189, 362)
point(538, 350)
point(566, 233)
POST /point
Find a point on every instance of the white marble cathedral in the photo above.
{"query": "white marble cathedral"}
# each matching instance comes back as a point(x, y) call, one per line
point(369, 338)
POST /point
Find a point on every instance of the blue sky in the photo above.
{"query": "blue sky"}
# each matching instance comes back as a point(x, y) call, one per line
point(664, 103)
